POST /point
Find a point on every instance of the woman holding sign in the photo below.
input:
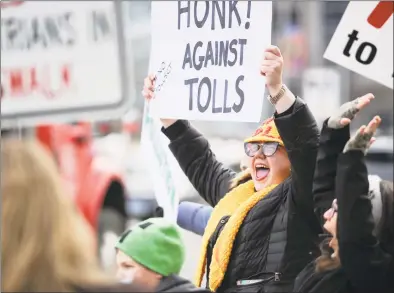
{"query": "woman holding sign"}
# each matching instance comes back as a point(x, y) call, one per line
point(263, 230)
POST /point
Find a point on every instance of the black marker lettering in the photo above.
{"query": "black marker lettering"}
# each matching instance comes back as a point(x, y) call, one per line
point(226, 108)
point(214, 108)
point(223, 53)
point(371, 55)
point(349, 44)
point(197, 66)
point(233, 51)
point(242, 43)
point(233, 10)
point(187, 58)
point(200, 23)
point(240, 92)
point(182, 10)
point(202, 108)
point(221, 12)
point(191, 82)
point(209, 55)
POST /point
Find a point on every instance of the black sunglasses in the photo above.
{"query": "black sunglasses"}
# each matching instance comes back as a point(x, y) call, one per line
point(268, 148)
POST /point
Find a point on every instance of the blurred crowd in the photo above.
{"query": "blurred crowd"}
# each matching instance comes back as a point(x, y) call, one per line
point(302, 215)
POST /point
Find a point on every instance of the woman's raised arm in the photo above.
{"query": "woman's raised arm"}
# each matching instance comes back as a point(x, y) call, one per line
point(193, 153)
point(366, 265)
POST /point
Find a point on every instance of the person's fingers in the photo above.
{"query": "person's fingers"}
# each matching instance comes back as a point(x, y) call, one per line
point(147, 94)
point(364, 100)
point(148, 84)
point(265, 70)
point(152, 77)
point(373, 125)
point(270, 56)
point(345, 121)
point(361, 130)
point(267, 62)
point(274, 50)
point(372, 140)
point(269, 73)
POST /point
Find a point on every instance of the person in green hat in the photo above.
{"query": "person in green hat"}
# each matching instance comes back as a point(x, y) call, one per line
point(151, 254)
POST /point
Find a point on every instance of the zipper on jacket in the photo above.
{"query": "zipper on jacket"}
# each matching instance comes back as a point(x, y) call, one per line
point(275, 276)
point(212, 242)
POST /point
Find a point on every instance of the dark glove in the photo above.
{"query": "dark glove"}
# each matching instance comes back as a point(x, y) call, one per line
point(359, 141)
point(363, 139)
point(347, 110)
point(159, 213)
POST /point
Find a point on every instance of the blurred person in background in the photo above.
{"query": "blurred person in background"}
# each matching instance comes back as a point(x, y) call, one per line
point(263, 230)
point(151, 254)
point(194, 217)
point(46, 245)
point(358, 256)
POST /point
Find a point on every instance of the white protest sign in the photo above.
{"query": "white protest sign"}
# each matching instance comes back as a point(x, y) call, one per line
point(160, 162)
point(363, 40)
point(211, 51)
point(62, 61)
point(321, 90)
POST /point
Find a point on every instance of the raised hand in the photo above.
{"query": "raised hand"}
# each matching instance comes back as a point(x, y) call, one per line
point(149, 87)
point(272, 68)
point(346, 113)
point(363, 139)
point(149, 93)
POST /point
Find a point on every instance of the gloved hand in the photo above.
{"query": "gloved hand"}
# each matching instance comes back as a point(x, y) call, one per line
point(346, 113)
point(363, 138)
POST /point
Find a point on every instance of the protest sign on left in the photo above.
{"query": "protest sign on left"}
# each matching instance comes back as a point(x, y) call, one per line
point(62, 62)
point(160, 162)
point(211, 53)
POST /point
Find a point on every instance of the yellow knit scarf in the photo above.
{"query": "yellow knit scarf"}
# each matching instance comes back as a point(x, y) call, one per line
point(237, 203)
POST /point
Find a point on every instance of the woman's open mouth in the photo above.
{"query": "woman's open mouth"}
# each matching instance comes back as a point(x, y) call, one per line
point(262, 171)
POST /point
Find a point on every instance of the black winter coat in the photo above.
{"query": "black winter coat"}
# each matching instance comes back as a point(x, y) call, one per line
point(365, 267)
point(332, 142)
point(279, 236)
point(175, 283)
point(114, 288)
point(171, 283)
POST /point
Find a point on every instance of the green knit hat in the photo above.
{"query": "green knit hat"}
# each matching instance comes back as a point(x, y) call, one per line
point(156, 244)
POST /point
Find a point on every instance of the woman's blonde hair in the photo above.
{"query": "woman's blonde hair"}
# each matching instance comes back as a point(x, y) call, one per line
point(46, 245)
point(241, 177)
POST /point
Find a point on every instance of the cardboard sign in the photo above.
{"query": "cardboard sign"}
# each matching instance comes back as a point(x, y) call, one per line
point(210, 54)
point(62, 62)
point(159, 161)
point(363, 41)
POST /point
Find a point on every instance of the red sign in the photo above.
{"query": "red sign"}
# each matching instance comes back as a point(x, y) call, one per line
point(24, 81)
point(7, 4)
point(381, 14)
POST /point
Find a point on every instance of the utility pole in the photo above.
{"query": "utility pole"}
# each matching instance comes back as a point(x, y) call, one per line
point(314, 28)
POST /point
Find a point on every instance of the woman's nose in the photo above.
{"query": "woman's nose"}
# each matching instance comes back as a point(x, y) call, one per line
point(328, 214)
point(260, 154)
